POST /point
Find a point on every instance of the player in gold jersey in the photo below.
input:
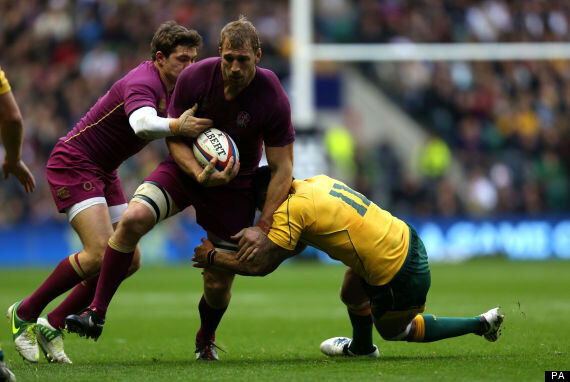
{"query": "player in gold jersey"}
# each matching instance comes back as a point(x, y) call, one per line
point(388, 277)
point(11, 129)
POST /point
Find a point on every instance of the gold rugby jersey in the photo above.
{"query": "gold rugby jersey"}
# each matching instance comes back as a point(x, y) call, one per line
point(4, 84)
point(328, 215)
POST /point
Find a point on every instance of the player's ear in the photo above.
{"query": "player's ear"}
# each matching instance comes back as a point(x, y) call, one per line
point(159, 57)
point(258, 55)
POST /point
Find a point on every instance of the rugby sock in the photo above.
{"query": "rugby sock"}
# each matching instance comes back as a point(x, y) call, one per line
point(75, 302)
point(63, 278)
point(361, 331)
point(113, 271)
point(430, 328)
point(209, 320)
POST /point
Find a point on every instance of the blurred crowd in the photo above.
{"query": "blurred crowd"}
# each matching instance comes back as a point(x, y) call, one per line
point(60, 56)
point(499, 138)
point(502, 123)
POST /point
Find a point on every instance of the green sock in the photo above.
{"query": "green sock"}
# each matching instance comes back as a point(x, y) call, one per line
point(438, 328)
point(361, 333)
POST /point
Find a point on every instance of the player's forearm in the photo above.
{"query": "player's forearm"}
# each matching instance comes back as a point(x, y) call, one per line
point(228, 261)
point(184, 157)
point(277, 192)
point(12, 137)
point(11, 127)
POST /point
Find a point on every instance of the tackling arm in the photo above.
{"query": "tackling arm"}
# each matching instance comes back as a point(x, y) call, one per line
point(267, 258)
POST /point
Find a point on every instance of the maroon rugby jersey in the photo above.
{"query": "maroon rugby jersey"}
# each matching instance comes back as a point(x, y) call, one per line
point(104, 134)
point(260, 113)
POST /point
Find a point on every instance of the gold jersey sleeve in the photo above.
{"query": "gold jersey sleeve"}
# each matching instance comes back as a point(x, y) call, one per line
point(4, 84)
point(330, 216)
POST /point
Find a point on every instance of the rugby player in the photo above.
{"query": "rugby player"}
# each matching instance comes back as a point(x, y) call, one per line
point(82, 175)
point(12, 133)
point(248, 103)
point(388, 275)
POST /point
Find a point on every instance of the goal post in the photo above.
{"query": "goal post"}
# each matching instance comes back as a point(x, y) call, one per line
point(305, 52)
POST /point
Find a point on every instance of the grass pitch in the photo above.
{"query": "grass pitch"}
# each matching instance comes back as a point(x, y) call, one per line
point(274, 325)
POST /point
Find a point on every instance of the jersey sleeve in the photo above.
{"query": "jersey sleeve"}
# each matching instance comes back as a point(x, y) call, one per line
point(141, 92)
point(4, 84)
point(279, 131)
point(290, 220)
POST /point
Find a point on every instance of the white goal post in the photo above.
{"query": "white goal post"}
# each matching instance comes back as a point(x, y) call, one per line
point(305, 52)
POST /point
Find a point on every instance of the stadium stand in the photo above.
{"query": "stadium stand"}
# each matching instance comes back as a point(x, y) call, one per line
point(504, 122)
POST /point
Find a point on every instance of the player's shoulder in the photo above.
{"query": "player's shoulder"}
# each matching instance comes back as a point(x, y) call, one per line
point(145, 74)
point(303, 188)
point(267, 77)
point(202, 69)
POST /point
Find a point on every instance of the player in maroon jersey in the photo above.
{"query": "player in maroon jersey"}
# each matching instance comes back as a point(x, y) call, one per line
point(82, 175)
point(249, 104)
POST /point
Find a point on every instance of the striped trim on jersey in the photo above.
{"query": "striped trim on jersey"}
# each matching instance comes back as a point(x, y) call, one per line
point(94, 124)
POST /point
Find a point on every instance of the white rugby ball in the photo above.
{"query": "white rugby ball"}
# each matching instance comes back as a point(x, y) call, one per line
point(214, 143)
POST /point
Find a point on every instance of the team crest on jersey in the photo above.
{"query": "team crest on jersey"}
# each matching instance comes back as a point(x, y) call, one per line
point(243, 119)
point(63, 193)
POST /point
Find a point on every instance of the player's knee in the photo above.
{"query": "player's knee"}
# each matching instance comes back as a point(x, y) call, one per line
point(216, 284)
point(394, 334)
point(136, 221)
point(95, 249)
point(355, 302)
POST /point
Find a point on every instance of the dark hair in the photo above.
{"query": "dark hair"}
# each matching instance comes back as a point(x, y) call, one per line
point(238, 33)
point(260, 179)
point(169, 35)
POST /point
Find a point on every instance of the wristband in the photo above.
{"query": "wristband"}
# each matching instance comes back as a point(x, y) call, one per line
point(211, 256)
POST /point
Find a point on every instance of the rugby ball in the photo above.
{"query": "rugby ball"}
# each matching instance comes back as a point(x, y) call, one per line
point(214, 143)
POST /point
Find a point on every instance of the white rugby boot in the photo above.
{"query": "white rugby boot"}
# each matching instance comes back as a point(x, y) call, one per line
point(24, 335)
point(493, 321)
point(51, 342)
point(338, 346)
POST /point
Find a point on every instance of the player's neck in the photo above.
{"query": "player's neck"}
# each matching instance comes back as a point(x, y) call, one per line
point(231, 92)
point(169, 85)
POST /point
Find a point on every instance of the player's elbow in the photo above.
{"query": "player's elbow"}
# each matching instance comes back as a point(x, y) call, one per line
point(12, 121)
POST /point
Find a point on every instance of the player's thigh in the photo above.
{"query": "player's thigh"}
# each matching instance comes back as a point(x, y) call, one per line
point(93, 225)
point(222, 211)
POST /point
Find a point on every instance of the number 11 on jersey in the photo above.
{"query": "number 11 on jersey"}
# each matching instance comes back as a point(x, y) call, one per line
point(361, 209)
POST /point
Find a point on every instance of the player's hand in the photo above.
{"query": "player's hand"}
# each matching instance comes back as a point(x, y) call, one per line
point(201, 253)
point(189, 126)
point(21, 172)
point(250, 240)
point(211, 177)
